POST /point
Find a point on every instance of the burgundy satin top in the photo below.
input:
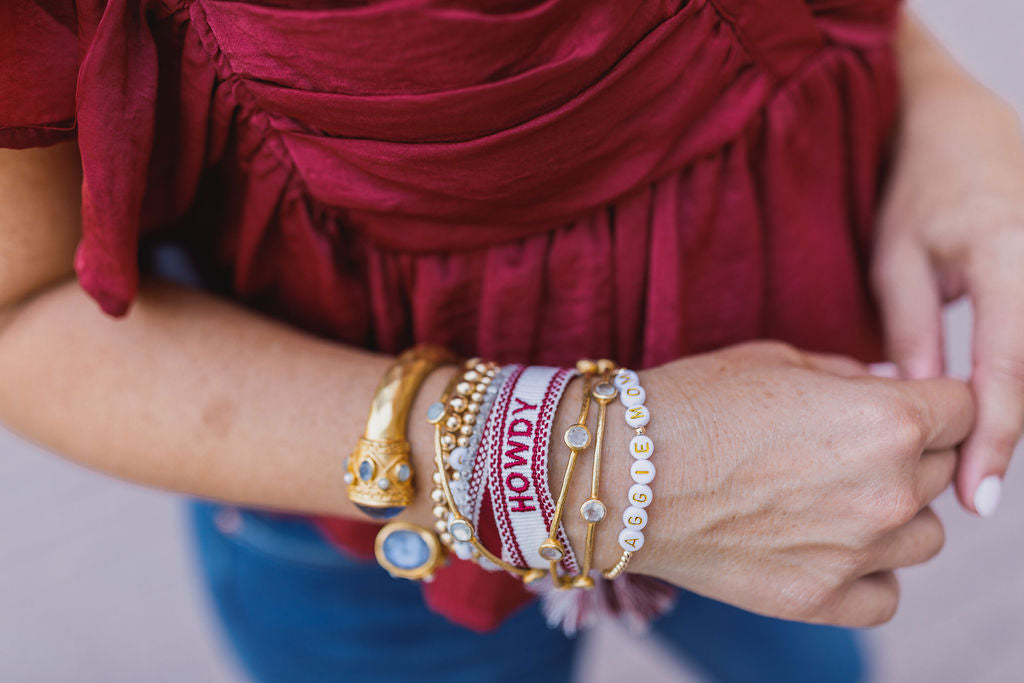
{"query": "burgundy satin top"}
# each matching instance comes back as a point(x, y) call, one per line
point(526, 180)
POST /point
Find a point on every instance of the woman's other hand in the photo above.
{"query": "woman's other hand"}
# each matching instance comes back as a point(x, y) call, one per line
point(952, 223)
point(793, 484)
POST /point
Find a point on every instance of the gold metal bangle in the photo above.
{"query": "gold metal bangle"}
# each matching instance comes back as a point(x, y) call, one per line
point(592, 509)
point(577, 438)
point(379, 473)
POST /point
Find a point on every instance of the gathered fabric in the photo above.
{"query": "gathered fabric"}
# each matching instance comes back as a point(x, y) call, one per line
point(530, 181)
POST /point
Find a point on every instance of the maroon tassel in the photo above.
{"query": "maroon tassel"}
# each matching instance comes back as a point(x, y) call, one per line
point(633, 599)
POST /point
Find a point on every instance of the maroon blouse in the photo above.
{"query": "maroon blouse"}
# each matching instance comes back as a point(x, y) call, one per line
point(527, 180)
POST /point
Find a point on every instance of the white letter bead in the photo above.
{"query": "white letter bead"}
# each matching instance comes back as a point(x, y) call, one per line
point(640, 495)
point(637, 416)
point(632, 396)
point(634, 518)
point(641, 447)
point(631, 540)
point(642, 471)
point(626, 378)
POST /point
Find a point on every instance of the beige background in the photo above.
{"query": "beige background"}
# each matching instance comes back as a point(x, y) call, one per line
point(95, 584)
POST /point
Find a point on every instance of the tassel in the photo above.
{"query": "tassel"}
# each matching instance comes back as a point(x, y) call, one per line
point(633, 599)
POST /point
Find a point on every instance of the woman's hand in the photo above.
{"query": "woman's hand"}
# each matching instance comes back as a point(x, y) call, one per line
point(953, 223)
point(792, 484)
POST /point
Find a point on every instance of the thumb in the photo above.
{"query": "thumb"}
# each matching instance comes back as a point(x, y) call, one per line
point(911, 307)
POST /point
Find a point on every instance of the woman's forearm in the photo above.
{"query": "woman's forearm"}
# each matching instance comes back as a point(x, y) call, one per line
point(193, 394)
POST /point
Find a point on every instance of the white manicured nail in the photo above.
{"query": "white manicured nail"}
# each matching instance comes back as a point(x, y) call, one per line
point(884, 370)
point(986, 496)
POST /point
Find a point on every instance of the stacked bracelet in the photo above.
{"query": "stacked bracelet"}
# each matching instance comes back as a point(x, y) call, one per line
point(491, 438)
point(455, 526)
point(577, 438)
point(642, 470)
point(593, 510)
point(466, 396)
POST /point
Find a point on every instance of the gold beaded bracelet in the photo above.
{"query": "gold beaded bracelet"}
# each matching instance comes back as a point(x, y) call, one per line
point(458, 526)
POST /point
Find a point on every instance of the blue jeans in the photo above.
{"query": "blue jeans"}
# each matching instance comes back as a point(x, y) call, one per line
point(296, 610)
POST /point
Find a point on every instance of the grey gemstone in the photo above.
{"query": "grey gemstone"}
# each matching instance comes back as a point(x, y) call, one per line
point(366, 470)
point(435, 411)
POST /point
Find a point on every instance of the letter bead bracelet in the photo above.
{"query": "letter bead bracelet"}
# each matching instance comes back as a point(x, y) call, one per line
point(640, 495)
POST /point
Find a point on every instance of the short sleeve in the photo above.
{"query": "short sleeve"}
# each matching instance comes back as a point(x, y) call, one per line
point(38, 71)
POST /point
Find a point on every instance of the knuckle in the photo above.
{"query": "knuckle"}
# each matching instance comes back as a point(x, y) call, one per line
point(887, 610)
point(1007, 367)
point(779, 349)
point(898, 425)
point(811, 600)
point(888, 508)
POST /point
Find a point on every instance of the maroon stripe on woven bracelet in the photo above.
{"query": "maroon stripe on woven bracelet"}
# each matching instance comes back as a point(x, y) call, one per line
point(510, 551)
point(488, 449)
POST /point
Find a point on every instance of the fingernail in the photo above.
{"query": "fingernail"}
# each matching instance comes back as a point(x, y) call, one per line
point(986, 496)
point(884, 370)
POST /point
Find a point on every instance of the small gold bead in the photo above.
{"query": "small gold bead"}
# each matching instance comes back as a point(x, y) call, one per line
point(447, 441)
point(471, 376)
point(447, 538)
point(480, 389)
point(605, 365)
point(586, 366)
point(473, 407)
point(481, 367)
point(466, 430)
point(492, 372)
point(453, 423)
point(441, 526)
point(438, 478)
point(464, 388)
point(458, 404)
point(474, 361)
point(469, 419)
point(476, 397)
point(437, 495)
point(440, 511)
point(462, 441)
point(456, 475)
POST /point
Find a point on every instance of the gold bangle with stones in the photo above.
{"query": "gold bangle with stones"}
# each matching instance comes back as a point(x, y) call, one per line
point(577, 438)
point(593, 511)
point(457, 526)
point(379, 473)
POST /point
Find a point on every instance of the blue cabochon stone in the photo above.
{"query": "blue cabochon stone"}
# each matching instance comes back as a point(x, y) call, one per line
point(406, 549)
point(381, 513)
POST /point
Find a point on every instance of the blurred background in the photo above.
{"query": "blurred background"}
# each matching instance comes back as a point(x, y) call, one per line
point(97, 583)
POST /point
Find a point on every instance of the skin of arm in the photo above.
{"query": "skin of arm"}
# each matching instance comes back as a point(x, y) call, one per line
point(186, 393)
point(952, 224)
